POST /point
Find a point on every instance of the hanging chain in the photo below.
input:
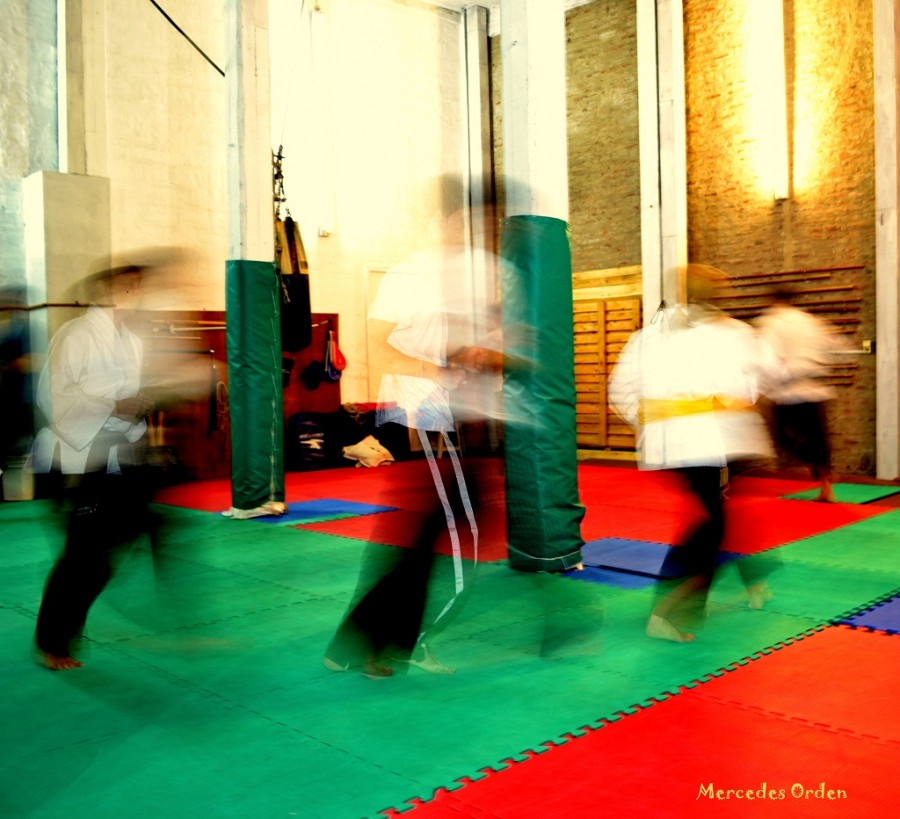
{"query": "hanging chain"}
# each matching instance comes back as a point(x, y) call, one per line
point(278, 182)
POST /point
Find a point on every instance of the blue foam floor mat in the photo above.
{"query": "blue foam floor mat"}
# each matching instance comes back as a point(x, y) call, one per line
point(884, 617)
point(324, 509)
point(633, 556)
point(610, 577)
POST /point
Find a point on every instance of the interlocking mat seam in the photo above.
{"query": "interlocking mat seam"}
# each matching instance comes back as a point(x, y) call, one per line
point(257, 653)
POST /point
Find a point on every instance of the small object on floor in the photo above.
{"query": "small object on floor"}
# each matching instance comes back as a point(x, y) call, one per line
point(368, 452)
point(661, 629)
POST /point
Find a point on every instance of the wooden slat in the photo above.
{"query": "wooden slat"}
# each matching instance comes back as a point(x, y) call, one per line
point(602, 327)
point(839, 303)
point(782, 275)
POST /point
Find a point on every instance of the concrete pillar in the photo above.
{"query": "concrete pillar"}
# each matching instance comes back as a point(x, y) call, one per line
point(250, 197)
point(535, 150)
point(81, 79)
point(252, 290)
point(67, 237)
point(886, 45)
point(663, 151)
point(481, 184)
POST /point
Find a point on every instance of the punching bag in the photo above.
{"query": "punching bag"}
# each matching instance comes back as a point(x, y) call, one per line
point(253, 336)
point(544, 512)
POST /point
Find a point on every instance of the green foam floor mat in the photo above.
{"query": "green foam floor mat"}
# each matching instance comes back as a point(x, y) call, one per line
point(204, 691)
point(849, 493)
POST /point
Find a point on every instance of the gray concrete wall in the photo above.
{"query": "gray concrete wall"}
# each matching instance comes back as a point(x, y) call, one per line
point(28, 119)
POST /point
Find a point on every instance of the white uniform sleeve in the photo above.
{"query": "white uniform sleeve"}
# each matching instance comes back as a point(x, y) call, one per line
point(623, 387)
point(75, 415)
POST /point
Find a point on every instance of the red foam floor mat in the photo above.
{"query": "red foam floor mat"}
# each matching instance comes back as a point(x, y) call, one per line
point(619, 502)
point(205, 496)
point(607, 520)
point(839, 677)
point(744, 485)
point(756, 523)
point(399, 529)
point(698, 755)
point(653, 506)
point(398, 485)
point(376, 485)
point(634, 488)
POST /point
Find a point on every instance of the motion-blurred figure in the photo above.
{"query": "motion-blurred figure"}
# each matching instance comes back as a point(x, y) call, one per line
point(16, 405)
point(806, 347)
point(90, 393)
point(423, 326)
point(688, 383)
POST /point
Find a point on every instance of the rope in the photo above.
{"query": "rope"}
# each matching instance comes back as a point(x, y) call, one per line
point(183, 34)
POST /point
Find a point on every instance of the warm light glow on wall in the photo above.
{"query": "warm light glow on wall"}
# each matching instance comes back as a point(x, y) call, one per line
point(831, 78)
point(324, 140)
point(391, 126)
point(768, 94)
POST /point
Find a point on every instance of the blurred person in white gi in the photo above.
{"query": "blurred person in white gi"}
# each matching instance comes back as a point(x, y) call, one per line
point(90, 394)
point(806, 347)
point(688, 382)
point(16, 390)
point(423, 323)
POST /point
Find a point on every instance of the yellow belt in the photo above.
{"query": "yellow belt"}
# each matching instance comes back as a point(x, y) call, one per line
point(664, 409)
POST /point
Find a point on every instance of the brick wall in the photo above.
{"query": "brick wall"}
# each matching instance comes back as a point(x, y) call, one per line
point(829, 219)
point(734, 223)
point(604, 168)
point(604, 171)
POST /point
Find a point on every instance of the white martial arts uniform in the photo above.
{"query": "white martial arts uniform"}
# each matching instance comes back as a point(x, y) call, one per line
point(91, 364)
point(411, 297)
point(806, 345)
point(688, 382)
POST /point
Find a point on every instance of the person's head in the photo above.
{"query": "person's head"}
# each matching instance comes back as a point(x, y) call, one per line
point(115, 287)
point(702, 281)
point(451, 195)
point(782, 294)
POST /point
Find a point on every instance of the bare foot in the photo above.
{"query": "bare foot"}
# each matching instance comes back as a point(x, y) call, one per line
point(376, 671)
point(57, 662)
point(661, 629)
point(428, 662)
point(372, 669)
point(423, 658)
point(758, 595)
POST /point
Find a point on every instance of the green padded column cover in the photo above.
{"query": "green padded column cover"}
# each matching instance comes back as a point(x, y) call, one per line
point(543, 507)
point(253, 336)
